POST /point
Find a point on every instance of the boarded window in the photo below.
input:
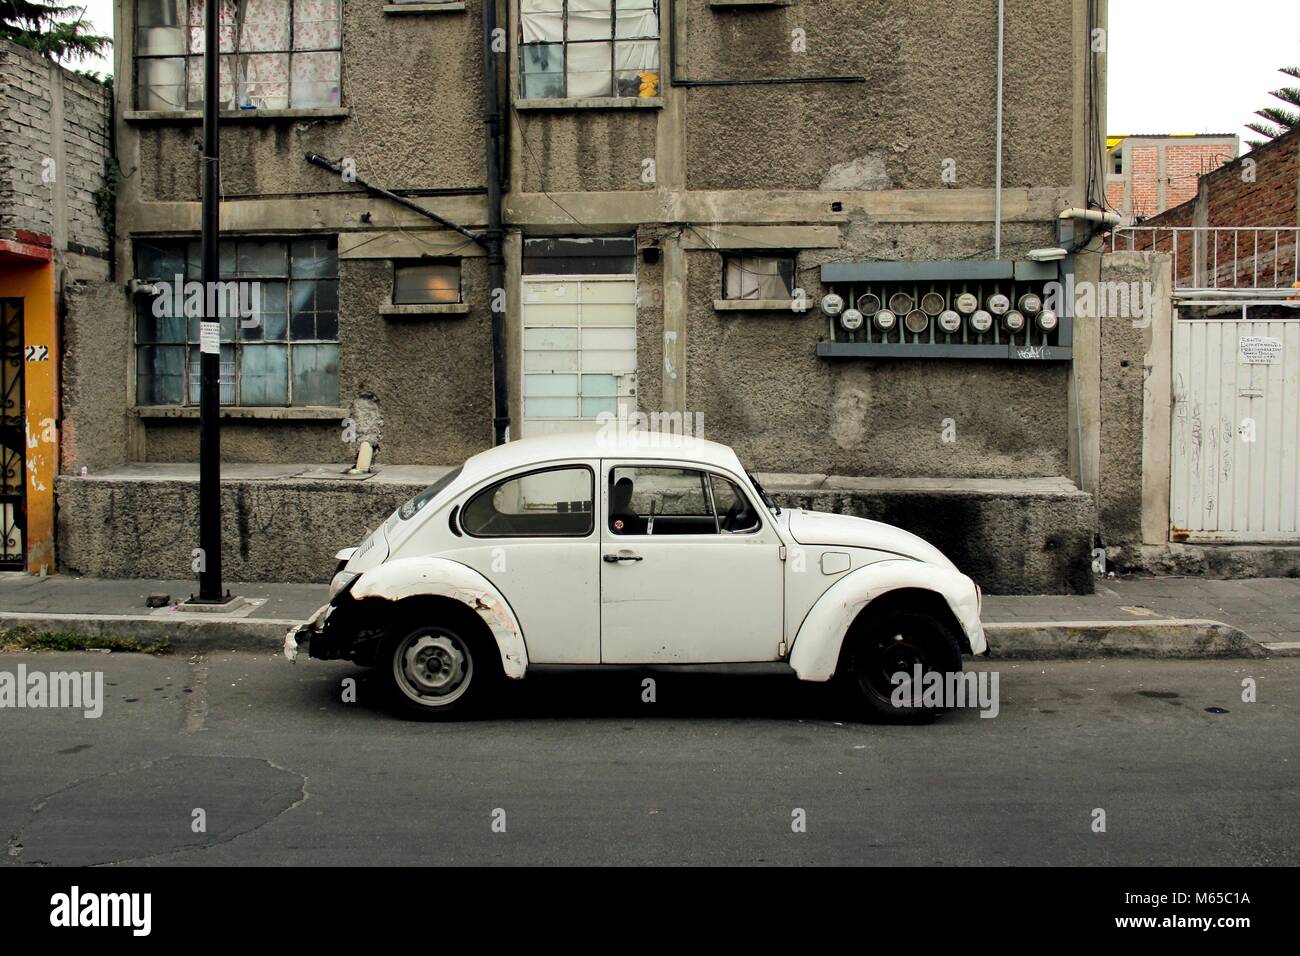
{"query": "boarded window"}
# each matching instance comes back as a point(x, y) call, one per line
point(281, 349)
point(585, 48)
point(276, 54)
point(748, 276)
point(426, 283)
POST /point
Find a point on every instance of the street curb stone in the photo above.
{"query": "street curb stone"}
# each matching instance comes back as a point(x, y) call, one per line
point(1047, 640)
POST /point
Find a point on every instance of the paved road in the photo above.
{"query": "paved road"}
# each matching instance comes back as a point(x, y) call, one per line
point(286, 772)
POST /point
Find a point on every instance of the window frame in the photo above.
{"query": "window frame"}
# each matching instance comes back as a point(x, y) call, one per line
point(457, 263)
point(703, 470)
point(235, 344)
point(564, 43)
point(185, 26)
point(494, 483)
point(728, 255)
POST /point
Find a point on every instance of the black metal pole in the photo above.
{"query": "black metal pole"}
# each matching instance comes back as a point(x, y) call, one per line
point(210, 349)
point(495, 233)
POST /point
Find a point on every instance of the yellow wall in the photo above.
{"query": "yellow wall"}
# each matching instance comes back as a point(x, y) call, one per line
point(33, 281)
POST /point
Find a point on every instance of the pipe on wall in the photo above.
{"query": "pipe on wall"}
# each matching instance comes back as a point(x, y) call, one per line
point(997, 162)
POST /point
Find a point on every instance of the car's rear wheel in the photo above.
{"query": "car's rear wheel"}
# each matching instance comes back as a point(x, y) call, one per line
point(435, 671)
point(882, 646)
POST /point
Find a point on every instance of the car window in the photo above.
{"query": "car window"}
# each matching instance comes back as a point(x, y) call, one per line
point(675, 501)
point(735, 514)
point(555, 502)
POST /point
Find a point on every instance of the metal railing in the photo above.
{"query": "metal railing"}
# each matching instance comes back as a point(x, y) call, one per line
point(1247, 261)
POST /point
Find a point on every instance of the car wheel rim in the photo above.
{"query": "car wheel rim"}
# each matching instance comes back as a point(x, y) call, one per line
point(876, 664)
point(433, 667)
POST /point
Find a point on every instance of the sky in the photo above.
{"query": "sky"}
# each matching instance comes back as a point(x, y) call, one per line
point(1176, 66)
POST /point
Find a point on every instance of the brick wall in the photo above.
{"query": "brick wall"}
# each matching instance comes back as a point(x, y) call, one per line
point(49, 170)
point(1258, 189)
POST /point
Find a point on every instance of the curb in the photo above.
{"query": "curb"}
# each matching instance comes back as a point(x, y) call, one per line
point(1185, 639)
point(185, 632)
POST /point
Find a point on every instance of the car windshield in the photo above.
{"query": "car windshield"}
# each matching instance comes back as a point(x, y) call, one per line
point(767, 499)
point(416, 504)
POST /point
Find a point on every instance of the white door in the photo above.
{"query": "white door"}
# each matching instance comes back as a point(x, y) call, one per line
point(690, 570)
point(579, 351)
point(1236, 430)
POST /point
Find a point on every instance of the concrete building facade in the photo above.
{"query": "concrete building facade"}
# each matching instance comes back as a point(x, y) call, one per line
point(687, 182)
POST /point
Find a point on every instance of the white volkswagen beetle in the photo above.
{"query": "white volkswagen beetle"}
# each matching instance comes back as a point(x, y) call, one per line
point(639, 549)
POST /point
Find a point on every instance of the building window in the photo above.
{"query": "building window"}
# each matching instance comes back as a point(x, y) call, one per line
point(281, 349)
point(277, 54)
point(749, 276)
point(584, 48)
point(423, 282)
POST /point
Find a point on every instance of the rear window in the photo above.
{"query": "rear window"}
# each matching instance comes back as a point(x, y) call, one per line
point(416, 504)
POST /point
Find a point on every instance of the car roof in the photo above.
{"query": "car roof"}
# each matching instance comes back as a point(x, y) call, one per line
point(606, 443)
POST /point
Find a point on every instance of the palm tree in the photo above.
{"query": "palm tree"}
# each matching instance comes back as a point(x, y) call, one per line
point(1279, 119)
point(59, 32)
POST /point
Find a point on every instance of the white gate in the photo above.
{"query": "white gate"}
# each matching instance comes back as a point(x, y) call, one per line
point(1236, 429)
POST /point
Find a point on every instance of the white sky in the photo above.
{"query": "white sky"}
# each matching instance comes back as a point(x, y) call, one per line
point(1176, 66)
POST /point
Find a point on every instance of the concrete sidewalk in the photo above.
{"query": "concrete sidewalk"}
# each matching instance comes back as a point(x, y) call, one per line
point(1150, 617)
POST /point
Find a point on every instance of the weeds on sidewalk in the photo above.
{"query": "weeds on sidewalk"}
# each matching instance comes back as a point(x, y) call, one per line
point(23, 639)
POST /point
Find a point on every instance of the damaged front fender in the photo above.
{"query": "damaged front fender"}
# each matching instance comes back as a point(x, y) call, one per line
point(816, 650)
point(439, 577)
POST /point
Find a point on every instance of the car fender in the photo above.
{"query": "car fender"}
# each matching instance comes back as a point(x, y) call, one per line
point(441, 577)
point(815, 652)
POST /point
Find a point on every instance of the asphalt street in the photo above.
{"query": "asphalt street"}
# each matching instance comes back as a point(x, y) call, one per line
point(279, 769)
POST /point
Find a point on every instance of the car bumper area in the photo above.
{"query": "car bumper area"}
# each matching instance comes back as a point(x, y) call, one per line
point(323, 642)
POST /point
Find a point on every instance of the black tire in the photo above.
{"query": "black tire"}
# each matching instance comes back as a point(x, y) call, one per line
point(436, 666)
point(884, 644)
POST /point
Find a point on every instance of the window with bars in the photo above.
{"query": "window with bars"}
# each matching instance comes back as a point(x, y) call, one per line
point(275, 54)
point(290, 356)
point(587, 48)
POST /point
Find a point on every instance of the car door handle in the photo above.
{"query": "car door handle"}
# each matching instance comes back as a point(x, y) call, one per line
point(612, 558)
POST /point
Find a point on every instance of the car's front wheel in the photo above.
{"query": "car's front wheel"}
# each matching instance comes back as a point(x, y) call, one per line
point(434, 671)
point(898, 642)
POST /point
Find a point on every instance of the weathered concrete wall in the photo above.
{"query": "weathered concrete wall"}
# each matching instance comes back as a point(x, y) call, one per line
point(413, 88)
point(930, 94)
point(93, 426)
point(1013, 539)
point(54, 134)
point(274, 530)
point(862, 417)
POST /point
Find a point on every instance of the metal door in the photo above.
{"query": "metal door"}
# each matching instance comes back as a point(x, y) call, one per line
point(1236, 428)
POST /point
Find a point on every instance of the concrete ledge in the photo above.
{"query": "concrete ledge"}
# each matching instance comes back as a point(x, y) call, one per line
point(246, 116)
point(1064, 640)
point(1012, 536)
point(185, 632)
point(424, 8)
point(1226, 561)
point(425, 309)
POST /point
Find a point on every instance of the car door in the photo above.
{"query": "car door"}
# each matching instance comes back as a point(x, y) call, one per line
point(690, 570)
point(533, 535)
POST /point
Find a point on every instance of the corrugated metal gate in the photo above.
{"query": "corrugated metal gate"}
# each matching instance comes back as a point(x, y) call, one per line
point(1235, 456)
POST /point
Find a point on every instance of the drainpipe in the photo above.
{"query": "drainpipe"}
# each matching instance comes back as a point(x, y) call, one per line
point(495, 233)
point(997, 163)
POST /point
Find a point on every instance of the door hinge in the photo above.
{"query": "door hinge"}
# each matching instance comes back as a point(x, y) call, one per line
point(781, 552)
point(780, 650)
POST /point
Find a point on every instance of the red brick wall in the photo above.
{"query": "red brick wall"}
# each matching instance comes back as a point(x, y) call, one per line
point(1144, 165)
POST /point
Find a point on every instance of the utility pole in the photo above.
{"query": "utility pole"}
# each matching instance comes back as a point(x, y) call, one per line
point(495, 232)
point(210, 591)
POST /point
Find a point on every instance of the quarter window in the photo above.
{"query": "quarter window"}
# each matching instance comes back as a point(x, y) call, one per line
point(583, 48)
point(551, 503)
point(279, 327)
point(275, 54)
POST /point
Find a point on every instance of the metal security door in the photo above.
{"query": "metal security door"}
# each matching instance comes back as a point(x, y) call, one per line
point(13, 470)
point(1236, 429)
point(579, 351)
